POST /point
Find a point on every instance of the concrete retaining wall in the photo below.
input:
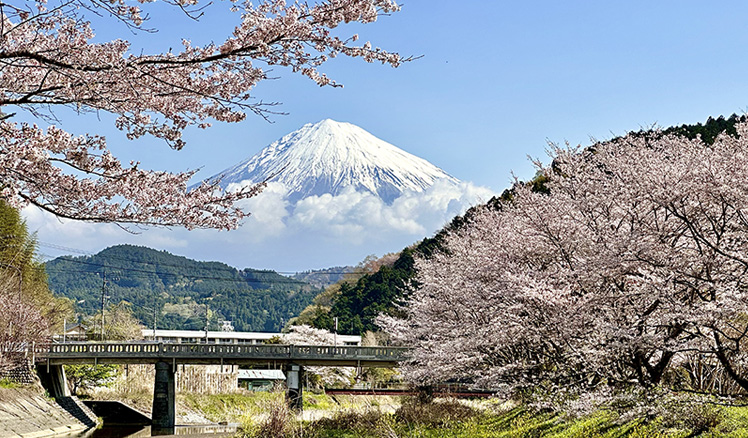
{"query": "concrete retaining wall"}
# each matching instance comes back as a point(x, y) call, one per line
point(205, 379)
point(21, 375)
point(26, 413)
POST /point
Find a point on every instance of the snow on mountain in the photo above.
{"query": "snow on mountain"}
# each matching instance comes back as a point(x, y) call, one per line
point(329, 157)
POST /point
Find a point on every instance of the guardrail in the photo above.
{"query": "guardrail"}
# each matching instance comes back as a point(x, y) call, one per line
point(177, 351)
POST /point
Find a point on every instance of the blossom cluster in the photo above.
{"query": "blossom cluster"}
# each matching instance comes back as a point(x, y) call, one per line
point(22, 326)
point(328, 376)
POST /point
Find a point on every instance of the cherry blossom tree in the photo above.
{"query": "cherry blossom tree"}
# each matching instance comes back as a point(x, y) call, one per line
point(50, 59)
point(323, 376)
point(481, 314)
point(21, 325)
point(635, 259)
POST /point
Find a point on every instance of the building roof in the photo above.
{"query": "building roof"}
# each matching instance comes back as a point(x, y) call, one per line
point(261, 375)
point(260, 336)
point(74, 329)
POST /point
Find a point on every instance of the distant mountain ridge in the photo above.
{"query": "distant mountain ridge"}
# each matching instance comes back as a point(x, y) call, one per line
point(322, 278)
point(179, 288)
point(330, 157)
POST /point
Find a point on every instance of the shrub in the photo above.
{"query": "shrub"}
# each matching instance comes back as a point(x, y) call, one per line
point(279, 424)
point(351, 420)
point(8, 383)
point(437, 413)
point(696, 416)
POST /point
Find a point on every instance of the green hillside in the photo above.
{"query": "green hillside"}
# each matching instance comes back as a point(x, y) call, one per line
point(179, 289)
point(357, 305)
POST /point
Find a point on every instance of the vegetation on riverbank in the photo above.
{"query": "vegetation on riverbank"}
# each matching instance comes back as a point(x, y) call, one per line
point(254, 407)
point(230, 408)
point(29, 312)
point(456, 419)
point(266, 415)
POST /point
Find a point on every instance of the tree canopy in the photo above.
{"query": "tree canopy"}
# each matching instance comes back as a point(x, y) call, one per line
point(357, 304)
point(49, 58)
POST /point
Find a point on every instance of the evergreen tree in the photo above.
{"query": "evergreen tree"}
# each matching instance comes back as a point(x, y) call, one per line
point(28, 310)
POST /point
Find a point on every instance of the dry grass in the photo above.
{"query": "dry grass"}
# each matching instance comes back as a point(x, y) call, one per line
point(280, 422)
point(442, 412)
point(277, 420)
point(134, 388)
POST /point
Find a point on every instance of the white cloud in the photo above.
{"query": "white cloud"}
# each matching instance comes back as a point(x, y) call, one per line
point(269, 211)
point(319, 231)
point(416, 213)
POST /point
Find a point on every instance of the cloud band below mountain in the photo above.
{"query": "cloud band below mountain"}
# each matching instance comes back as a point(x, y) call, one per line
point(315, 232)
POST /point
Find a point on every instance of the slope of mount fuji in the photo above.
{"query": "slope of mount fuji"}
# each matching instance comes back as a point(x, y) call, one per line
point(330, 157)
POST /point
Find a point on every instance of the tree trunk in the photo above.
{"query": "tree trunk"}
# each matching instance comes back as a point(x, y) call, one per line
point(725, 361)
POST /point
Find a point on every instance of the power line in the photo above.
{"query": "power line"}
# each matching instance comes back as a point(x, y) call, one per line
point(141, 273)
point(64, 248)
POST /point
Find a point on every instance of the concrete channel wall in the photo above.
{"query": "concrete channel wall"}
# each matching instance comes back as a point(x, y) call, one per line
point(26, 413)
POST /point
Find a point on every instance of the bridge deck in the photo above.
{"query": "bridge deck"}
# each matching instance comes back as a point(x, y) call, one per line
point(149, 352)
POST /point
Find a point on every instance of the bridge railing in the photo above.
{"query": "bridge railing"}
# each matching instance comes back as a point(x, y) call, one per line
point(312, 351)
point(237, 351)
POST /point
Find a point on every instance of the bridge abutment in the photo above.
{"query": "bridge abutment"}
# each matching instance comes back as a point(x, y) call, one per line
point(294, 393)
point(164, 402)
point(53, 380)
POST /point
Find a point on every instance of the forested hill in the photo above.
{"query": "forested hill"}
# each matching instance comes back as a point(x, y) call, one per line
point(357, 304)
point(179, 288)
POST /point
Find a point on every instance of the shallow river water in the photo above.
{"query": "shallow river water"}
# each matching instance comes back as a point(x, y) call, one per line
point(213, 431)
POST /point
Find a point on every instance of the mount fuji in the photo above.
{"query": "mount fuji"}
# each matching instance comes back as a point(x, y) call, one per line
point(335, 195)
point(330, 157)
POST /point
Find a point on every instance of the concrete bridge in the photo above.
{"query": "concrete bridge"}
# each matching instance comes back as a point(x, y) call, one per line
point(166, 357)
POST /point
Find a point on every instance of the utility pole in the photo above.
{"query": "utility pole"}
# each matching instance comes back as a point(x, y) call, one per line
point(103, 297)
point(206, 323)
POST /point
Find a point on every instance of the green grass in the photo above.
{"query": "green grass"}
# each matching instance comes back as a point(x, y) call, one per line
point(488, 426)
point(319, 401)
point(7, 383)
point(735, 423)
point(231, 407)
point(521, 423)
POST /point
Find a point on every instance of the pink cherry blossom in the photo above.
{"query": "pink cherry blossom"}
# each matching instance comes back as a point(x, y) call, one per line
point(634, 261)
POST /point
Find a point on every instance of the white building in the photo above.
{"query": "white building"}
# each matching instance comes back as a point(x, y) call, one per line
point(222, 337)
point(259, 380)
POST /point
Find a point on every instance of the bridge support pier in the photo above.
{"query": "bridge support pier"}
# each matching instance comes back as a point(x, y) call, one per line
point(163, 414)
point(294, 394)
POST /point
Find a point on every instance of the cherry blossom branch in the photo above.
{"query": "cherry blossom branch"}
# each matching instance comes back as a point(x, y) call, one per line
point(48, 59)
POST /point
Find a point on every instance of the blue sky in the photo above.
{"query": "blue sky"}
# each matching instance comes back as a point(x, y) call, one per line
point(495, 82)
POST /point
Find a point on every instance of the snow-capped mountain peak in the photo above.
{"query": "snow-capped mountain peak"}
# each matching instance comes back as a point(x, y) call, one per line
point(329, 157)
